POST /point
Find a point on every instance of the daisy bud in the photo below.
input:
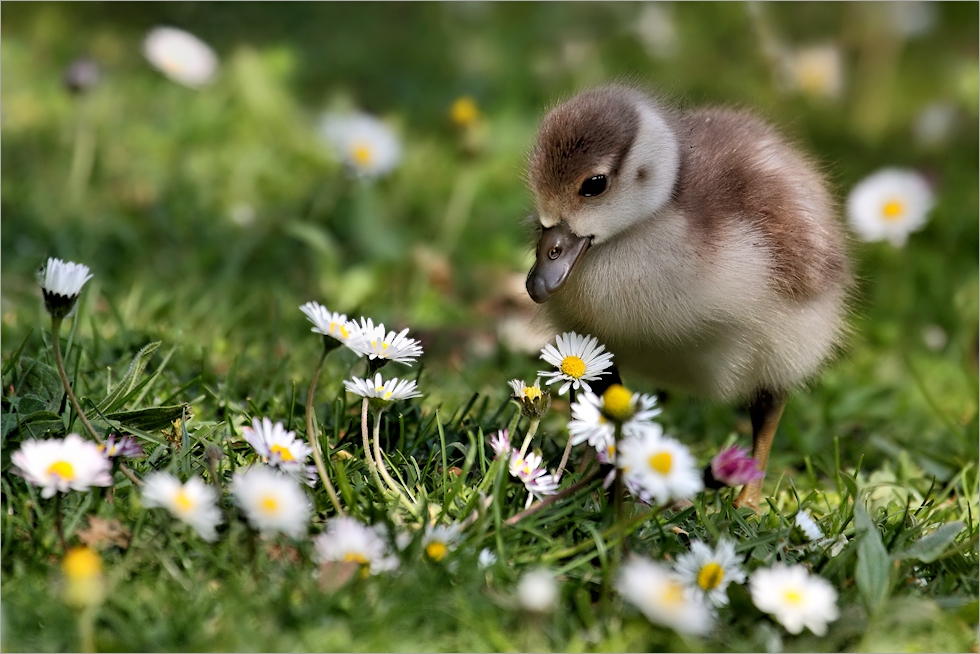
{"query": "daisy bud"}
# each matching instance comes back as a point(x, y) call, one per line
point(81, 75)
point(534, 401)
point(732, 467)
point(61, 283)
point(804, 528)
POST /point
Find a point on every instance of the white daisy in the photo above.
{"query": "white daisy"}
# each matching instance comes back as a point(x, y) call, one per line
point(500, 443)
point(805, 524)
point(659, 594)
point(534, 401)
point(181, 56)
point(542, 486)
point(794, 597)
point(661, 466)
point(272, 502)
point(889, 205)
point(590, 424)
point(538, 590)
point(579, 359)
point(60, 465)
point(328, 323)
point(194, 502)
point(710, 571)
point(374, 343)
point(526, 467)
point(363, 142)
point(440, 540)
point(346, 539)
point(393, 390)
point(63, 278)
point(281, 449)
point(815, 70)
point(486, 559)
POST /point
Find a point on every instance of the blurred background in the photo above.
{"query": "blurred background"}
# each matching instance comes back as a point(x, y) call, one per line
point(209, 209)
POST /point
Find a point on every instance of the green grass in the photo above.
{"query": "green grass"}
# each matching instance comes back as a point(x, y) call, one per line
point(890, 426)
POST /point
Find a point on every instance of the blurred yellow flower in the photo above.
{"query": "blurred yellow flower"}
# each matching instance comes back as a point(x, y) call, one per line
point(464, 111)
point(82, 568)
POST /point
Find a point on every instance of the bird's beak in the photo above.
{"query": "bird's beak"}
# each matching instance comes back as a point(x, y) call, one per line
point(559, 250)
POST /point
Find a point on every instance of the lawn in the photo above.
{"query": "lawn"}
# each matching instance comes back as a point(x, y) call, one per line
point(210, 205)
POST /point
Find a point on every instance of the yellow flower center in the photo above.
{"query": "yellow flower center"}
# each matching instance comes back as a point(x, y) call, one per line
point(792, 596)
point(340, 329)
point(269, 504)
point(617, 403)
point(710, 576)
point(464, 111)
point(183, 502)
point(361, 154)
point(62, 469)
point(532, 393)
point(81, 563)
point(661, 462)
point(573, 367)
point(436, 550)
point(672, 594)
point(355, 557)
point(283, 453)
point(893, 210)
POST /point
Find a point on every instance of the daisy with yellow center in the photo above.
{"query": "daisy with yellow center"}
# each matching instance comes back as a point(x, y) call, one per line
point(281, 449)
point(663, 598)
point(661, 466)
point(59, 465)
point(181, 56)
point(346, 539)
point(590, 424)
point(377, 389)
point(889, 205)
point(331, 324)
point(375, 343)
point(533, 401)
point(366, 144)
point(578, 360)
point(709, 571)
point(439, 541)
point(272, 502)
point(194, 502)
point(795, 598)
point(816, 71)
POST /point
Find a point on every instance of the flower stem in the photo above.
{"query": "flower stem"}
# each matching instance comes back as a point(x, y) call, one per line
point(372, 466)
point(57, 521)
point(564, 459)
point(60, 364)
point(314, 441)
point(383, 469)
point(532, 429)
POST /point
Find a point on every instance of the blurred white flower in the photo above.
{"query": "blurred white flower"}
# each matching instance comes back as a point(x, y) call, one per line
point(194, 502)
point(363, 142)
point(393, 390)
point(889, 205)
point(272, 502)
point(794, 597)
point(935, 337)
point(579, 359)
point(538, 591)
point(710, 570)
point(281, 449)
point(486, 559)
point(817, 70)
point(655, 29)
point(181, 56)
point(440, 540)
point(59, 465)
point(934, 124)
point(661, 466)
point(911, 18)
point(660, 595)
point(347, 540)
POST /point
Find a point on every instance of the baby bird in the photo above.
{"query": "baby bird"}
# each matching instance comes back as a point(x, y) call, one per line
point(699, 246)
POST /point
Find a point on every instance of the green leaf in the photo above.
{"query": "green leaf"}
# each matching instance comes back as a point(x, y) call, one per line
point(35, 424)
point(931, 547)
point(874, 565)
point(117, 397)
point(151, 418)
point(40, 382)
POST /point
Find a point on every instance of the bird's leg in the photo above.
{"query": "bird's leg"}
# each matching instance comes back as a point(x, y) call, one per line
point(765, 412)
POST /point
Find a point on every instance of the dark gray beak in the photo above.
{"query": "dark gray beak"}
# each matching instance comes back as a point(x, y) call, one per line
point(559, 250)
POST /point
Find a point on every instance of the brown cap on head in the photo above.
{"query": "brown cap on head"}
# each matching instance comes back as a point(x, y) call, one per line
point(595, 128)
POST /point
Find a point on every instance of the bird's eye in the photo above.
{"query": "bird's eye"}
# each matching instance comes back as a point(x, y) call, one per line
point(594, 185)
point(554, 253)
